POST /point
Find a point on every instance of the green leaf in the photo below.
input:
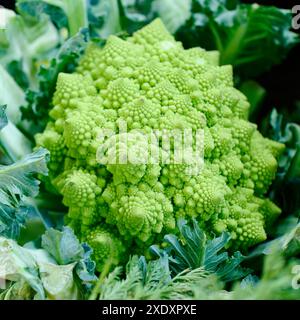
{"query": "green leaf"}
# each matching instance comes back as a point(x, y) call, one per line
point(58, 281)
point(14, 68)
point(174, 13)
point(75, 12)
point(35, 8)
point(212, 256)
point(3, 117)
point(12, 220)
point(30, 40)
point(104, 18)
point(249, 281)
point(39, 102)
point(286, 187)
point(85, 268)
point(36, 267)
point(11, 95)
point(255, 94)
point(134, 14)
point(18, 264)
point(35, 223)
point(212, 6)
point(192, 250)
point(17, 180)
point(6, 16)
point(17, 291)
point(288, 243)
point(258, 37)
point(192, 253)
point(289, 134)
point(275, 283)
point(248, 36)
point(151, 281)
point(226, 267)
point(13, 142)
point(230, 270)
point(63, 246)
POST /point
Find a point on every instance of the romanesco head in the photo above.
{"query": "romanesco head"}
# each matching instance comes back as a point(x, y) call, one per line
point(153, 85)
point(106, 245)
point(139, 210)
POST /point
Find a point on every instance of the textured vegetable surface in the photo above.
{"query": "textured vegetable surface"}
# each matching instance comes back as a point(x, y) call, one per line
point(150, 82)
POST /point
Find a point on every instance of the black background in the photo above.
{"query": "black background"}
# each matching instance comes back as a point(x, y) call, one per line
point(283, 81)
point(92, 310)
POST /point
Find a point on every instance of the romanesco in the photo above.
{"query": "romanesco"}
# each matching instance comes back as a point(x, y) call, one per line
point(153, 84)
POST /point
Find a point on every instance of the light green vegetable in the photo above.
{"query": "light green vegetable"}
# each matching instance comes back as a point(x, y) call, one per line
point(150, 82)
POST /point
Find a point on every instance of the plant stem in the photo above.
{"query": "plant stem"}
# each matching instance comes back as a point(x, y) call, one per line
point(77, 15)
point(99, 283)
point(234, 46)
point(216, 35)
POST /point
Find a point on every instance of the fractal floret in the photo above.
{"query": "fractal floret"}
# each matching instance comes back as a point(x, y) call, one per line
point(150, 86)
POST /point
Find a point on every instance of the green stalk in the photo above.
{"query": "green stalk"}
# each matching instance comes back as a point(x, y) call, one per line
point(234, 46)
point(99, 283)
point(216, 35)
point(13, 142)
point(246, 60)
point(76, 12)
